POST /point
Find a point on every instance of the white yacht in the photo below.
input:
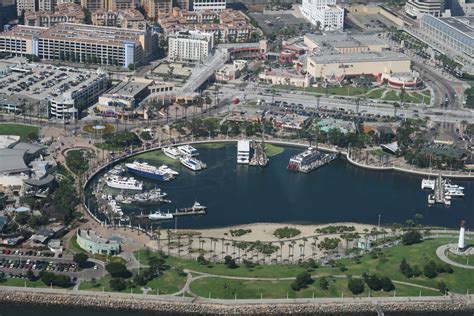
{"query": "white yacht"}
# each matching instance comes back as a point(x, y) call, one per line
point(428, 184)
point(243, 152)
point(172, 152)
point(192, 163)
point(454, 193)
point(125, 183)
point(188, 150)
point(160, 216)
point(168, 170)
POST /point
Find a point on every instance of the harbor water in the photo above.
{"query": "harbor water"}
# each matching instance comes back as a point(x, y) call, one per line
point(237, 194)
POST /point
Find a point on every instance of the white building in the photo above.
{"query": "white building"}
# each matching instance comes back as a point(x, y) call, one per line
point(416, 8)
point(26, 6)
point(190, 46)
point(209, 5)
point(323, 13)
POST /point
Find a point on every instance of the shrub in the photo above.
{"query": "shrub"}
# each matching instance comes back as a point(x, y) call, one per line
point(286, 232)
point(411, 237)
point(373, 281)
point(118, 284)
point(81, 259)
point(405, 269)
point(442, 287)
point(302, 280)
point(387, 284)
point(139, 279)
point(356, 286)
point(230, 263)
point(49, 278)
point(202, 261)
point(239, 232)
point(323, 284)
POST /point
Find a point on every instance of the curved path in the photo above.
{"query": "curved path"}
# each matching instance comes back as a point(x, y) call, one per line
point(441, 253)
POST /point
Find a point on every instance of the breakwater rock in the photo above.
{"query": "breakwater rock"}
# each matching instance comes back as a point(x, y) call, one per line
point(187, 305)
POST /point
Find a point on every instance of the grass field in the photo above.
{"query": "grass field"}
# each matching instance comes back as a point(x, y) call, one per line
point(22, 282)
point(375, 93)
point(419, 254)
point(211, 145)
point(273, 150)
point(469, 259)
point(246, 289)
point(391, 96)
point(18, 129)
point(343, 91)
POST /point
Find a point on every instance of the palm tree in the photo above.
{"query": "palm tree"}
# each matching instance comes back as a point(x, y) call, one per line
point(282, 243)
point(200, 244)
point(179, 246)
point(222, 247)
point(169, 241)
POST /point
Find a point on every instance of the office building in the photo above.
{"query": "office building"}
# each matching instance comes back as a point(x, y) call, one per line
point(416, 8)
point(343, 43)
point(80, 43)
point(190, 46)
point(127, 19)
point(65, 13)
point(323, 13)
point(456, 33)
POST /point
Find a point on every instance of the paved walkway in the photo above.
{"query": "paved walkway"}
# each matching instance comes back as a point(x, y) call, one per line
point(441, 253)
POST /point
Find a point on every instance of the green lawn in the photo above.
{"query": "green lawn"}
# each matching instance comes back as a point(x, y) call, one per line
point(417, 97)
point(246, 289)
point(419, 254)
point(391, 96)
point(469, 259)
point(375, 93)
point(19, 129)
point(22, 282)
point(211, 145)
point(273, 150)
point(343, 91)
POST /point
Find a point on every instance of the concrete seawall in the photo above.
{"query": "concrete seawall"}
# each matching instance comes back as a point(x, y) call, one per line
point(187, 305)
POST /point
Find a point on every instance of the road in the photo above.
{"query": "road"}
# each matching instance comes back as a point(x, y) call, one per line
point(441, 253)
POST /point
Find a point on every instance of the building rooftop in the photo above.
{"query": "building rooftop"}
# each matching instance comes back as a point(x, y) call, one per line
point(30, 149)
point(8, 140)
point(62, 9)
point(128, 14)
point(464, 24)
point(344, 40)
point(358, 57)
point(92, 237)
point(129, 89)
point(12, 161)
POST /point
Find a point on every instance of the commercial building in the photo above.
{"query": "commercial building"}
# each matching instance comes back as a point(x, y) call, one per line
point(340, 65)
point(416, 8)
point(127, 19)
point(25, 6)
point(80, 43)
point(323, 13)
point(93, 243)
point(454, 32)
point(226, 26)
point(126, 95)
point(462, 7)
point(65, 13)
point(157, 8)
point(231, 71)
point(64, 89)
point(208, 5)
point(344, 43)
point(190, 46)
point(285, 77)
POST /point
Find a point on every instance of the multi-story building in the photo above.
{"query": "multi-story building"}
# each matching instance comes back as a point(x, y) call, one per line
point(190, 46)
point(416, 8)
point(456, 33)
point(93, 243)
point(65, 13)
point(208, 5)
point(93, 5)
point(127, 19)
point(462, 7)
point(323, 13)
point(80, 43)
point(227, 26)
point(157, 8)
point(119, 4)
point(25, 6)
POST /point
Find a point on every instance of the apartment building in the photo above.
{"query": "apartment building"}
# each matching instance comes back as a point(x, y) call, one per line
point(157, 8)
point(190, 46)
point(208, 5)
point(127, 19)
point(25, 6)
point(65, 13)
point(226, 26)
point(80, 43)
point(323, 13)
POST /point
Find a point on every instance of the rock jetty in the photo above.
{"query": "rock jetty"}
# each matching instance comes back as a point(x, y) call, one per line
point(187, 305)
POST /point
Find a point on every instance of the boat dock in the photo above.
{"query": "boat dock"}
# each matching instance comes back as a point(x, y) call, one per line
point(195, 210)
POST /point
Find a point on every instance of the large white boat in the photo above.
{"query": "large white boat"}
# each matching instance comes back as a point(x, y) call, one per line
point(146, 170)
point(166, 169)
point(188, 150)
point(309, 160)
point(160, 216)
point(125, 183)
point(428, 184)
point(172, 152)
point(192, 163)
point(243, 152)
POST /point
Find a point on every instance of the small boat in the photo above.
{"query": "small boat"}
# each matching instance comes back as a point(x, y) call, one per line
point(192, 163)
point(166, 169)
point(160, 216)
point(428, 184)
point(125, 183)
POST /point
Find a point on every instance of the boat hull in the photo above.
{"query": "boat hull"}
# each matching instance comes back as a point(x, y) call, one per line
point(154, 176)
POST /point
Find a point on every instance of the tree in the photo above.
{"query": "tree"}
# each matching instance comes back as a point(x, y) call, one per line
point(302, 280)
point(230, 263)
point(81, 259)
point(411, 237)
point(323, 284)
point(373, 281)
point(118, 284)
point(405, 268)
point(356, 286)
point(429, 270)
point(118, 270)
point(387, 284)
point(139, 279)
point(442, 287)
point(31, 276)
